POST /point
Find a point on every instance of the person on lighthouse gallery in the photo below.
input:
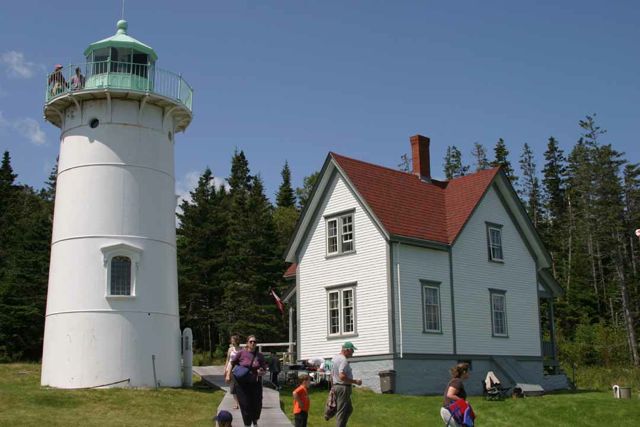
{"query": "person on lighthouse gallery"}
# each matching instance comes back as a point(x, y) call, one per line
point(248, 366)
point(57, 83)
point(77, 81)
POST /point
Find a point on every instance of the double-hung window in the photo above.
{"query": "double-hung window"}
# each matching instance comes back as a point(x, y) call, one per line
point(341, 311)
point(431, 307)
point(499, 313)
point(494, 242)
point(340, 236)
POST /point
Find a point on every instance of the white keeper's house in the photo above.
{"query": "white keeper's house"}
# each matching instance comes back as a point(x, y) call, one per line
point(420, 274)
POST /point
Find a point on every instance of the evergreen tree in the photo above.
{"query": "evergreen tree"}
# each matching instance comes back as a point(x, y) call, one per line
point(304, 192)
point(632, 215)
point(501, 159)
point(453, 167)
point(530, 187)
point(7, 196)
point(286, 214)
point(554, 227)
point(285, 197)
point(610, 243)
point(49, 191)
point(479, 153)
point(238, 252)
point(24, 272)
point(580, 254)
point(632, 222)
point(7, 177)
point(201, 246)
point(239, 314)
point(252, 243)
point(265, 261)
point(554, 173)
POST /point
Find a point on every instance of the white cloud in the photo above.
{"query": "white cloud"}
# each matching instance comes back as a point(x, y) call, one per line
point(185, 185)
point(17, 66)
point(27, 127)
point(30, 129)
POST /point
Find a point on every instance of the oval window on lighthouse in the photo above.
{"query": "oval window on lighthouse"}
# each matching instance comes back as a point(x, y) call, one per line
point(120, 276)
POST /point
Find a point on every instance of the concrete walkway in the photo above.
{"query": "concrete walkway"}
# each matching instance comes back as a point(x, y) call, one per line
point(272, 415)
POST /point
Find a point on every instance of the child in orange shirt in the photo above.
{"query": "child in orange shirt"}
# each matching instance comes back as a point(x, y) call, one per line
point(301, 401)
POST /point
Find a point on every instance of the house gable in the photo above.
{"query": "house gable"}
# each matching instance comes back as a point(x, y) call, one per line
point(363, 271)
point(476, 278)
point(320, 191)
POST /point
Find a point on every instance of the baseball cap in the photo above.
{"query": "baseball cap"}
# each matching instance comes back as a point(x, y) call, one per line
point(349, 346)
point(58, 66)
point(224, 416)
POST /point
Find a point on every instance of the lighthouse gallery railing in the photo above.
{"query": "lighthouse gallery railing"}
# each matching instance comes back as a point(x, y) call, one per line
point(119, 75)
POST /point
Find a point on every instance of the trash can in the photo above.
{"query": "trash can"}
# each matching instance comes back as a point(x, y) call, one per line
point(387, 381)
point(621, 392)
point(625, 392)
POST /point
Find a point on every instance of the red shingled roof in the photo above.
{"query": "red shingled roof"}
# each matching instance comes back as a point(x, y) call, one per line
point(291, 271)
point(409, 207)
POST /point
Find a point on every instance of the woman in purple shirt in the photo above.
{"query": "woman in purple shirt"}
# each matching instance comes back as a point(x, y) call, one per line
point(249, 391)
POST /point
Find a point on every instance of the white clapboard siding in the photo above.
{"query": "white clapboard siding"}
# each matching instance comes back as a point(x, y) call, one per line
point(367, 267)
point(474, 275)
point(418, 264)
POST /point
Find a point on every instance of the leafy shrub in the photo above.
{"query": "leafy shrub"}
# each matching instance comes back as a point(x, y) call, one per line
point(595, 344)
point(603, 378)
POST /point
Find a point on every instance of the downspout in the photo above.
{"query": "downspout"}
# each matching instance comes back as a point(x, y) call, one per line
point(552, 321)
point(399, 297)
point(453, 301)
point(392, 302)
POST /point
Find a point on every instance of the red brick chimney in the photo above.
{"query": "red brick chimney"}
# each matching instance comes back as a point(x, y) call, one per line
point(420, 156)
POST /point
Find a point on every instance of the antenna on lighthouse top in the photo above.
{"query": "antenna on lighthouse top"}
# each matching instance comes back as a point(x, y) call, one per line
point(122, 10)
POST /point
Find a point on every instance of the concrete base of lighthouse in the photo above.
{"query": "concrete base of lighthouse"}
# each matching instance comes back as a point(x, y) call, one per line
point(114, 348)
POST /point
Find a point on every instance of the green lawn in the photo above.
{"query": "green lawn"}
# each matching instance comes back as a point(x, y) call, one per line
point(24, 403)
point(595, 408)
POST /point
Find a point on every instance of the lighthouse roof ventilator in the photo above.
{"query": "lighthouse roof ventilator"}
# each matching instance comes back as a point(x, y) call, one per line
point(112, 305)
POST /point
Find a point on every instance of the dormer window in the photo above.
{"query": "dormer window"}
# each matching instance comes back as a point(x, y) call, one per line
point(340, 234)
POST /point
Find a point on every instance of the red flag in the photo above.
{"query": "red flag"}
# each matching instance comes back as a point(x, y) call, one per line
point(279, 302)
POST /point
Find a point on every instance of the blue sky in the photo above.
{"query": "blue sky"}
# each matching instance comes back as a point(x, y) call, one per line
point(292, 80)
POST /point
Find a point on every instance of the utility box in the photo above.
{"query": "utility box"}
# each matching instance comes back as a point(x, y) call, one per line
point(387, 381)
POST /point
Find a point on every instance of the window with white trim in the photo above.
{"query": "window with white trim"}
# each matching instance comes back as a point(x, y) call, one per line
point(121, 262)
point(431, 307)
point(494, 242)
point(499, 313)
point(341, 311)
point(340, 237)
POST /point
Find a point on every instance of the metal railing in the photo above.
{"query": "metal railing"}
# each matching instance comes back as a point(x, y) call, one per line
point(118, 75)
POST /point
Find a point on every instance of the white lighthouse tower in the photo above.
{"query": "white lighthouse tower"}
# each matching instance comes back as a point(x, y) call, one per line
point(112, 305)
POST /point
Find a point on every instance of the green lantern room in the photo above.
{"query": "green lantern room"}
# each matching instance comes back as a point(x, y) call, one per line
point(120, 61)
point(118, 67)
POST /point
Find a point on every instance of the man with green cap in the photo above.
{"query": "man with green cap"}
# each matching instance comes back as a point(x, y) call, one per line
point(342, 382)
